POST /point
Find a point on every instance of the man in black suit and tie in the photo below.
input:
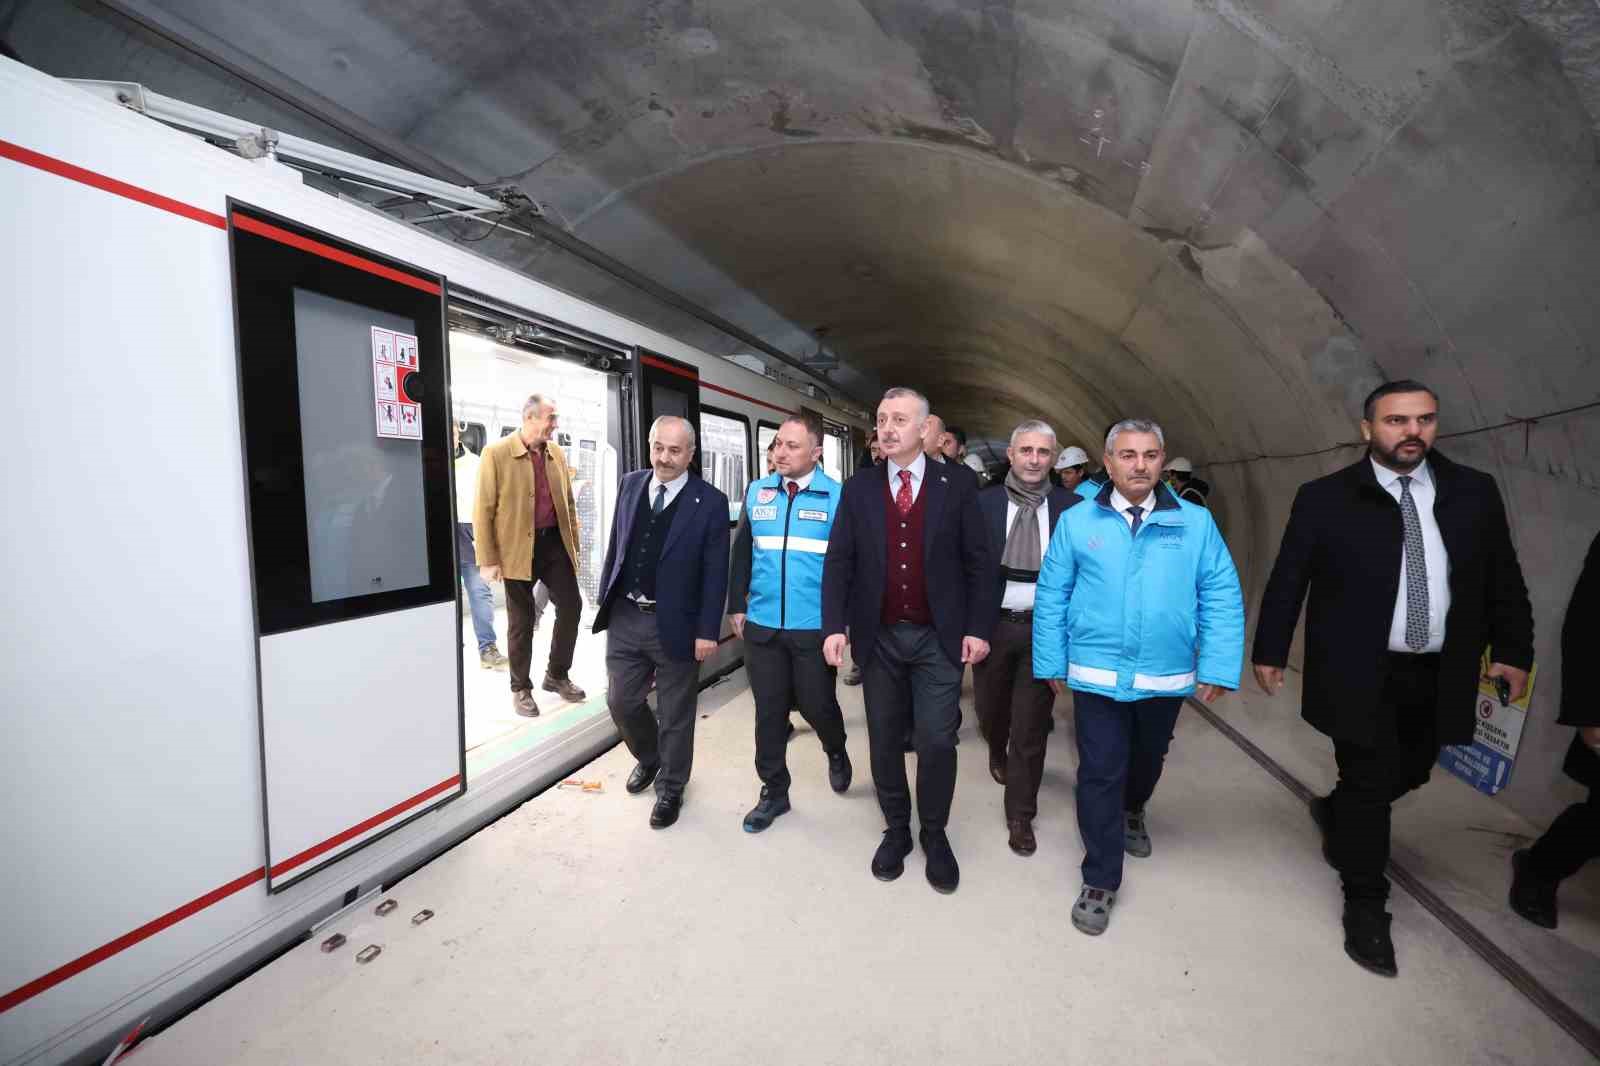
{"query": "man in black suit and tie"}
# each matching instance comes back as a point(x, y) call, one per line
point(1013, 708)
point(662, 595)
point(1411, 572)
point(909, 574)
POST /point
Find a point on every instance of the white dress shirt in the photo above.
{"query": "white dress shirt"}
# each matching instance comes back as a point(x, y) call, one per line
point(1121, 504)
point(802, 483)
point(918, 467)
point(1019, 594)
point(674, 487)
point(1433, 553)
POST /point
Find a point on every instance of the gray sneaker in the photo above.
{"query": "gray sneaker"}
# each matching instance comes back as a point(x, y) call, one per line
point(1135, 837)
point(491, 659)
point(1092, 913)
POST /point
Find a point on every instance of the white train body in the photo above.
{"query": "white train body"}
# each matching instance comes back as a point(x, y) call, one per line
point(134, 872)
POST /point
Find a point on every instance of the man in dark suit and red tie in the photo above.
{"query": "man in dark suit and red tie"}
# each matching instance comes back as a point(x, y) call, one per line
point(1411, 572)
point(910, 576)
point(661, 598)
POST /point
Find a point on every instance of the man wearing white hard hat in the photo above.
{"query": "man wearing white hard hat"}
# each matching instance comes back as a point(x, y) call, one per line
point(1184, 485)
point(1071, 465)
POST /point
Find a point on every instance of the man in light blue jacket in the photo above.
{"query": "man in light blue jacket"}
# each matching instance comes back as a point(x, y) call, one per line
point(1138, 606)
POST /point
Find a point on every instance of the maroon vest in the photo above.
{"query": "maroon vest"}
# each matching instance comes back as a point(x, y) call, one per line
point(905, 593)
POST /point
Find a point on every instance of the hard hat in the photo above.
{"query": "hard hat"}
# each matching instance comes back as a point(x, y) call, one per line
point(1073, 456)
point(1181, 465)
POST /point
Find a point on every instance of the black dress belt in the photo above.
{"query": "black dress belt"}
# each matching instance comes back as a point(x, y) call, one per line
point(644, 606)
point(1021, 618)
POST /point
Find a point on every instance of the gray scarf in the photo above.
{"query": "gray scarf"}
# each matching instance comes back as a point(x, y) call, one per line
point(1020, 560)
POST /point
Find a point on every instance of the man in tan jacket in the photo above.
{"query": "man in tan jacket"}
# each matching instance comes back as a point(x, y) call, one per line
point(526, 529)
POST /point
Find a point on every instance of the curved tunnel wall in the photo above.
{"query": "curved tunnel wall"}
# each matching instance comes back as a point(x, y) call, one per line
point(1235, 215)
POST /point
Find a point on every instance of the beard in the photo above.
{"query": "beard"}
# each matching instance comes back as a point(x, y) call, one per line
point(1395, 460)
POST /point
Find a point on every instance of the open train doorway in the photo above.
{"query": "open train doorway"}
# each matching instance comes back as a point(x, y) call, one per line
point(492, 377)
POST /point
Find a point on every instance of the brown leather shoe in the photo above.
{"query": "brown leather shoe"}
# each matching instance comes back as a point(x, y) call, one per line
point(522, 703)
point(997, 770)
point(563, 687)
point(1022, 841)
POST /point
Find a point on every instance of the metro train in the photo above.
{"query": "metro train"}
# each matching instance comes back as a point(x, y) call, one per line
point(234, 683)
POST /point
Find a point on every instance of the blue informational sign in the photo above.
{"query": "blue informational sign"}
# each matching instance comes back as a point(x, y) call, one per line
point(1486, 763)
point(1480, 766)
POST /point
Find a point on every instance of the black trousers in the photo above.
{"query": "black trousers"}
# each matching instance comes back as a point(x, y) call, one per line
point(787, 669)
point(1014, 713)
point(1372, 777)
point(911, 686)
point(553, 567)
point(634, 657)
point(1572, 840)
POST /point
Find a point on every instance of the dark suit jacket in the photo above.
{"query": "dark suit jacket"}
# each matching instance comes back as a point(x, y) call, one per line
point(692, 579)
point(1580, 635)
point(992, 502)
point(957, 565)
point(1344, 541)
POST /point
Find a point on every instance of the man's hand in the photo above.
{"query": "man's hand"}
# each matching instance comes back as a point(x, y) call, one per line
point(489, 573)
point(1057, 685)
point(833, 649)
point(1211, 693)
point(737, 621)
point(703, 649)
point(1590, 735)
point(1270, 678)
point(974, 650)
point(1517, 679)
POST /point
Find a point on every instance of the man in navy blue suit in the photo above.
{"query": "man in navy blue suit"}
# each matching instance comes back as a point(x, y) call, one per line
point(910, 574)
point(665, 584)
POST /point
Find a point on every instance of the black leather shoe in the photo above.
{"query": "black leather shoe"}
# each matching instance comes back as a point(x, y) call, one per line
point(852, 676)
point(839, 770)
point(522, 702)
point(1367, 940)
point(1531, 895)
point(766, 811)
point(564, 688)
point(1322, 814)
point(642, 777)
point(943, 872)
point(1021, 838)
point(997, 770)
point(890, 860)
point(665, 812)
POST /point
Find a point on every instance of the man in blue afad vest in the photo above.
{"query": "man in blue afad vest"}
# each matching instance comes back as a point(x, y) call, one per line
point(1137, 602)
point(775, 604)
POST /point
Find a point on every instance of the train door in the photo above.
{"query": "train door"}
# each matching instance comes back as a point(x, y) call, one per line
point(346, 437)
point(493, 376)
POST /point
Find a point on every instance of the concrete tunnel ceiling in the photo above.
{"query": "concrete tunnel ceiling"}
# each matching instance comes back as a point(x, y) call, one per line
point(1236, 215)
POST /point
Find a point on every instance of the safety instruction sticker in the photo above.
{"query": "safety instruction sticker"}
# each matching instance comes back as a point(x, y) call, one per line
point(1486, 763)
point(396, 397)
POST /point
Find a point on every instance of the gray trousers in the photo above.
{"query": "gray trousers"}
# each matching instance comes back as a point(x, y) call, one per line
point(666, 736)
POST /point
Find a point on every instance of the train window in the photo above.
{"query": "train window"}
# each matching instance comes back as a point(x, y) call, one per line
point(473, 436)
point(833, 455)
point(765, 431)
point(725, 454)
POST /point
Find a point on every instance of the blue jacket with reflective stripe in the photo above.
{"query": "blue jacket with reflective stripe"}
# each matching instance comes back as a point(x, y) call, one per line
point(1133, 617)
point(788, 543)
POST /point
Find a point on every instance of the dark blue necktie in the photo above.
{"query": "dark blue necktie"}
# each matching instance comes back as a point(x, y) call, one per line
point(1136, 512)
point(661, 500)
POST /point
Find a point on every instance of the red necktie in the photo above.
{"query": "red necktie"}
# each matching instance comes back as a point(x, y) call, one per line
point(793, 488)
point(902, 499)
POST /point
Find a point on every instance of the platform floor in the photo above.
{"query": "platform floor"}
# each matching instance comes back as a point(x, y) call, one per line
point(570, 932)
